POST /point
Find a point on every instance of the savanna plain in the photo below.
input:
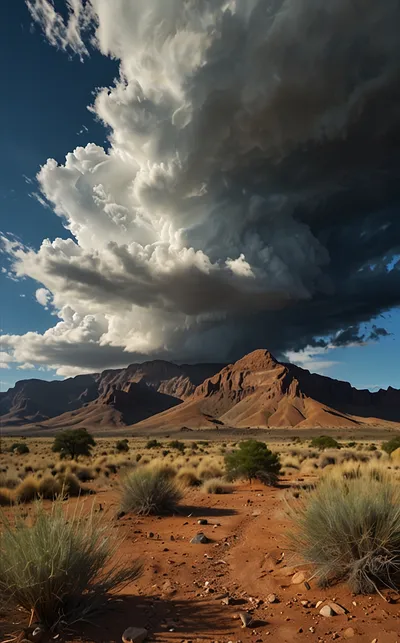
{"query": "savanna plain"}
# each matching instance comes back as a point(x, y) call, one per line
point(187, 540)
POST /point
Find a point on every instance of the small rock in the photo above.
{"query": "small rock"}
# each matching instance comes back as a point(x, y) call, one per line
point(300, 630)
point(335, 636)
point(349, 633)
point(256, 513)
point(200, 539)
point(202, 521)
point(305, 603)
point(307, 585)
point(134, 635)
point(318, 604)
point(245, 618)
point(226, 600)
point(312, 629)
point(326, 610)
point(172, 537)
point(374, 641)
point(298, 578)
point(338, 609)
point(272, 598)
point(150, 534)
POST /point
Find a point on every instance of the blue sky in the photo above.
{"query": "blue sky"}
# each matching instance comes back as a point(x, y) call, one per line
point(44, 114)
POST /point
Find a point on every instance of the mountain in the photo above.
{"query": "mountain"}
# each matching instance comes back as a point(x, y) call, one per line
point(111, 398)
point(255, 391)
point(259, 391)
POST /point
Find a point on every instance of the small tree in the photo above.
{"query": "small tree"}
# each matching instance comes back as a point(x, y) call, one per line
point(324, 442)
point(73, 442)
point(20, 448)
point(253, 460)
point(391, 445)
point(122, 445)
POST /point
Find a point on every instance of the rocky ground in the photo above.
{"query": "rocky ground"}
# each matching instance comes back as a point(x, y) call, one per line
point(198, 592)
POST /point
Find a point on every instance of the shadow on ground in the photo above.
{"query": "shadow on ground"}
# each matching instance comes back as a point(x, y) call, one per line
point(164, 619)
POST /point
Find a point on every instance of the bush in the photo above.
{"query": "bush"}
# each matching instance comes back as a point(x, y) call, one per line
point(216, 485)
point(149, 492)
point(153, 444)
point(73, 442)
point(122, 445)
point(54, 566)
point(391, 445)
point(253, 460)
point(6, 497)
point(188, 477)
point(176, 444)
point(348, 528)
point(20, 447)
point(324, 442)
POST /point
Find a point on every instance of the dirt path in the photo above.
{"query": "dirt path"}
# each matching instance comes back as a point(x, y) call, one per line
point(180, 595)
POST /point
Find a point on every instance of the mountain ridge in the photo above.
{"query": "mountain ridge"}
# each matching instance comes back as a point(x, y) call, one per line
point(256, 391)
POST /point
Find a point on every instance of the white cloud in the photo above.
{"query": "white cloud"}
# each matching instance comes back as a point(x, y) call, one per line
point(172, 232)
point(5, 359)
point(43, 296)
point(309, 358)
point(26, 367)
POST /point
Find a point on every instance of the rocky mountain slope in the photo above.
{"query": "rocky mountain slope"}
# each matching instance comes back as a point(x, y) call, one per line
point(255, 391)
point(111, 398)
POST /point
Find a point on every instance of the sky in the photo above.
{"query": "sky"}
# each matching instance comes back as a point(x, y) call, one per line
point(194, 180)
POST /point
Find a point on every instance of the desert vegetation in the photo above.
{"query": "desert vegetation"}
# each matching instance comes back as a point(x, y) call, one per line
point(54, 566)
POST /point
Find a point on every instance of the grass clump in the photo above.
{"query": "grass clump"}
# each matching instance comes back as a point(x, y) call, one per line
point(217, 486)
point(54, 565)
point(253, 461)
point(187, 476)
point(147, 491)
point(348, 529)
point(324, 442)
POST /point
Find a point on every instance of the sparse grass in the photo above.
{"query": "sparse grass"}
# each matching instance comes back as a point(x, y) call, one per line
point(187, 476)
point(147, 491)
point(54, 565)
point(217, 486)
point(348, 528)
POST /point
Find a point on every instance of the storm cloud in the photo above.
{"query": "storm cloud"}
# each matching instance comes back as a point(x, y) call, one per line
point(249, 195)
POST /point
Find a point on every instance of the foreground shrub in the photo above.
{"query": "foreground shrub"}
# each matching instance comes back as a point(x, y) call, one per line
point(324, 442)
point(348, 528)
point(54, 566)
point(253, 460)
point(391, 445)
point(6, 497)
point(73, 442)
point(149, 492)
point(216, 485)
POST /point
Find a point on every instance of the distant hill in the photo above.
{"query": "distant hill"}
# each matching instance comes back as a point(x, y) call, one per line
point(255, 391)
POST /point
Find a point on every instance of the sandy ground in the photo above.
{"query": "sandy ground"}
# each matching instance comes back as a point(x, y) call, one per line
point(179, 597)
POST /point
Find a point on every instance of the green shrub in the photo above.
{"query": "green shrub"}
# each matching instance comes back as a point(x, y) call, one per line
point(122, 446)
point(149, 492)
point(176, 444)
point(153, 444)
point(351, 444)
point(348, 528)
point(73, 442)
point(391, 445)
point(20, 447)
point(253, 460)
point(57, 567)
point(324, 442)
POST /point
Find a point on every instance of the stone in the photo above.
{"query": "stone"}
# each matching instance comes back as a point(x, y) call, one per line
point(134, 635)
point(298, 578)
point(338, 609)
point(305, 603)
point(272, 598)
point(349, 633)
point(307, 585)
point(200, 539)
point(246, 619)
point(318, 604)
point(150, 534)
point(226, 600)
point(202, 521)
point(326, 610)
